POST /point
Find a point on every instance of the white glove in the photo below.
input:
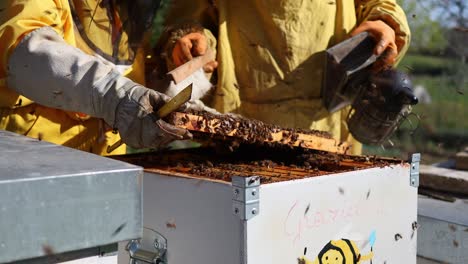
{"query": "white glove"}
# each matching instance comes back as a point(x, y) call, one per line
point(200, 86)
point(198, 105)
point(44, 68)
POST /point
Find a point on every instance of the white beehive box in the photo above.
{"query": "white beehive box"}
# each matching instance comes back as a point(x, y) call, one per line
point(362, 216)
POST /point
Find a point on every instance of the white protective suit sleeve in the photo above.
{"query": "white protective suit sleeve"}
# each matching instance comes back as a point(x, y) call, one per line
point(44, 68)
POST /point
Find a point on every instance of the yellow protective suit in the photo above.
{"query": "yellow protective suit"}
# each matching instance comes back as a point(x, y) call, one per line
point(271, 54)
point(96, 35)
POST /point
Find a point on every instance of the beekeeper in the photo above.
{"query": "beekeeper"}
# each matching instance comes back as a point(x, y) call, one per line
point(72, 72)
point(271, 53)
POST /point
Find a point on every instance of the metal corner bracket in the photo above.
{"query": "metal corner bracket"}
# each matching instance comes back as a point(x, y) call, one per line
point(414, 169)
point(246, 196)
point(150, 249)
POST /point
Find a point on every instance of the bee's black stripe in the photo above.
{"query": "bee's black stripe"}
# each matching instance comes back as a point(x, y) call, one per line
point(355, 257)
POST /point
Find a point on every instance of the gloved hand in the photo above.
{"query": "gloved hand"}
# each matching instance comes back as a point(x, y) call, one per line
point(74, 81)
point(138, 126)
point(384, 35)
point(189, 46)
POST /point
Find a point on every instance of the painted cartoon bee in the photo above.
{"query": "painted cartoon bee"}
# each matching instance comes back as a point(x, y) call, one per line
point(342, 251)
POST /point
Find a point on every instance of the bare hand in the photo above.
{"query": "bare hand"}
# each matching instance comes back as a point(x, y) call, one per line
point(384, 35)
point(189, 46)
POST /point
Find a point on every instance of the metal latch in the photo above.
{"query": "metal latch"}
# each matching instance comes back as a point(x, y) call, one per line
point(151, 248)
point(414, 170)
point(246, 196)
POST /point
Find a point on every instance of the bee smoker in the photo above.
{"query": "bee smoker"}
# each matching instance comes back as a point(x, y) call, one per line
point(379, 100)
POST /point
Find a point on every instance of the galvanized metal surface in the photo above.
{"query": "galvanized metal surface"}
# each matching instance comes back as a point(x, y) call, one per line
point(443, 231)
point(456, 212)
point(105, 254)
point(246, 196)
point(94, 260)
point(421, 260)
point(55, 199)
point(442, 241)
point(373, 208)
point(415, 159)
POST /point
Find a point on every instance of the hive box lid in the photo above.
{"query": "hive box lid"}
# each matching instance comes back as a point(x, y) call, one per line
point(55, 199)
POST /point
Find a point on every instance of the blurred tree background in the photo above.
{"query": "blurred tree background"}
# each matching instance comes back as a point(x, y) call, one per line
point(438, 65)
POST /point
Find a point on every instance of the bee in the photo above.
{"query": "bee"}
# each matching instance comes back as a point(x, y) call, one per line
point(398, 236)
point(171, 224)
point(341, 251)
